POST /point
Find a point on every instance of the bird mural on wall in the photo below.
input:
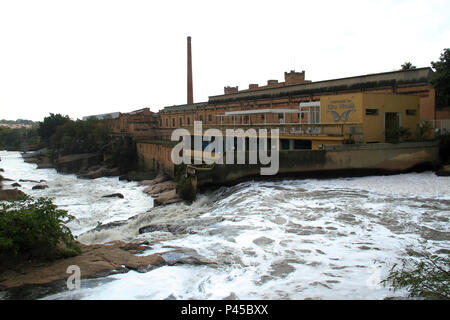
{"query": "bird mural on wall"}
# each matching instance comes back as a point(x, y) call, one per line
point(343, 116)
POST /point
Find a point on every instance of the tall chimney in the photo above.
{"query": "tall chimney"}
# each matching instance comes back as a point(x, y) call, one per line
point(190, 94)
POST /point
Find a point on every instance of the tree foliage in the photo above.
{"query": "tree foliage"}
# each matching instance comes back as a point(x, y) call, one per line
point(408, 66)
point(48, 127)
point(34, 228)
point(428, 277)
point(441, 79)
point(79, 137)
point(18, 138)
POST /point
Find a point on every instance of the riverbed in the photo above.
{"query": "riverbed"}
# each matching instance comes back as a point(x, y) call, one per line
point(289, 239)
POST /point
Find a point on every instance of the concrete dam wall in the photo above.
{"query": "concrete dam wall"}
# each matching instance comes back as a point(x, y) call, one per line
point(357, 159)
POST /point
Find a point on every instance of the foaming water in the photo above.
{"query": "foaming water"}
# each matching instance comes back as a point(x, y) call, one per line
point(291, 239)
point(81, 197)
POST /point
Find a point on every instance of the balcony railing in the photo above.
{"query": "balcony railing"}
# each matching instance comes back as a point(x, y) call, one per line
point(293, 129)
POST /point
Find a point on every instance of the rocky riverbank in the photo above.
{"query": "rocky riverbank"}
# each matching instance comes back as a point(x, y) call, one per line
point(34, 279)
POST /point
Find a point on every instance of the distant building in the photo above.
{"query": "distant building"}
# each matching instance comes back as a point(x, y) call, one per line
point(112, 115)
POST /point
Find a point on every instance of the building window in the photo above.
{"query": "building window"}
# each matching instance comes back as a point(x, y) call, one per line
point(181, 121)
point(173, 122)
point(302, 144)
point(411, 112)
point(371, 112)
point(263, 117)
point(281, 116)
point(314, 115)
point(167, 122)
point(209, 117)
point(188, 120)
point(201, 118)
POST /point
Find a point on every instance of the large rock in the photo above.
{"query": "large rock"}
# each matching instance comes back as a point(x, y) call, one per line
point(100, 172)
point(95, 260)
point(74, 162)
point(28, 180)
point(166, 197)
point(160, 187)
point(152, 182)
point(11, 194)
point(40, 187)
point(114, 195)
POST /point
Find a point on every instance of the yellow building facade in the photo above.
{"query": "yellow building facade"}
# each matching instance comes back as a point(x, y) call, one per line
point(372, 117)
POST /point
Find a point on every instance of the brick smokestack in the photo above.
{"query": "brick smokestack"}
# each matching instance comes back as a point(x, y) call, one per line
point(190, 93)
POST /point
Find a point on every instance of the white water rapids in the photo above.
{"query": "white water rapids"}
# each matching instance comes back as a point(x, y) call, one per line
point(289, 239)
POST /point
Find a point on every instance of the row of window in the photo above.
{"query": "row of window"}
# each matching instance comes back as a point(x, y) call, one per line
point(300, 115)
point(374, 112)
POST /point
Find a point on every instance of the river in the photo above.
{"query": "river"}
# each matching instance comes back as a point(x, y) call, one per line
point(288, 239)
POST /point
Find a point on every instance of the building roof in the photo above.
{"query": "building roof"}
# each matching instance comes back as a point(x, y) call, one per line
point(112, 115)
point(376, 80)
point(184, 107)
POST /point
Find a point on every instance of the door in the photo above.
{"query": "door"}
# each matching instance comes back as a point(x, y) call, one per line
point(391, 126)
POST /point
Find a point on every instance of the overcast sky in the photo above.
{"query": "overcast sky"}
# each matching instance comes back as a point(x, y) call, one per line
point(97, 56)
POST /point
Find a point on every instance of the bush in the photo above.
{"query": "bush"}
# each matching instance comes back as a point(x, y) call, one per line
point(397, 135)
point(185, 189)
point(34, 228)
point(428, 277)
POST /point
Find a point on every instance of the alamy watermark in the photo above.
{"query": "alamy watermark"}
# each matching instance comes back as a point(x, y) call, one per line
point(212, 147)
point(74, 281)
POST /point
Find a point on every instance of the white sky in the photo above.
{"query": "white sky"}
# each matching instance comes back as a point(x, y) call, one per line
point(85, 57)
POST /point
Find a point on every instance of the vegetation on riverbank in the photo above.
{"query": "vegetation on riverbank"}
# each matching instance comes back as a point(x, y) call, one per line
point(425, 276)
point(19, 139)
point(64, 136)
point(33, 229)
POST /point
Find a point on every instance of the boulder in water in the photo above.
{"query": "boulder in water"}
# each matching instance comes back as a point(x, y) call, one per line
point(15, 184)
point(263, 241)
point(114, 195)
point(40, 187)
point(166, 197)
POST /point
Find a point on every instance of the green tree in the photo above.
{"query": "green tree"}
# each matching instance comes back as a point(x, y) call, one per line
point(440, 79)
point(48, 127)
point(407, 66)
point(34, 228)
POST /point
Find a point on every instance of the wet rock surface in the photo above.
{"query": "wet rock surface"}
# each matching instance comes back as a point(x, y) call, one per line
point(182, 226)
point(184, 256)
point(39, 187)
point(95, 260)
point(162, 189)
point(263, 241)
point(114, 195)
